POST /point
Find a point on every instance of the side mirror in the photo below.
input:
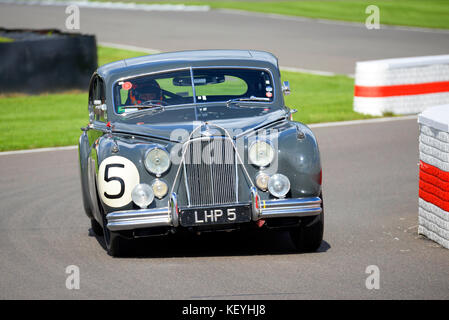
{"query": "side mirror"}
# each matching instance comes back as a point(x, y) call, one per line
point(286, 88)
point(99, 111)
point(91, 116)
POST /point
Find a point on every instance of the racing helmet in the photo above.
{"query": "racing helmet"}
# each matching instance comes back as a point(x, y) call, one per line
point(141, 92)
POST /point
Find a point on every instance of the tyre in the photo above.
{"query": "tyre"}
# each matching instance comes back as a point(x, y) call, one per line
point(309, 235)
point(116, 245)
point(96, 227)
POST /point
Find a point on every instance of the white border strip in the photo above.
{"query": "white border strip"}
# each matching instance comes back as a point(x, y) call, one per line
point(7, 153)
point(356, 122)
point(331, 22)
point(128, 47)
point(112, 5)
point(316, 125)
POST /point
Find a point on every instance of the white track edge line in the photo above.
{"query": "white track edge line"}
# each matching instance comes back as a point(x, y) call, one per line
point(6, 153)
point(356, 122)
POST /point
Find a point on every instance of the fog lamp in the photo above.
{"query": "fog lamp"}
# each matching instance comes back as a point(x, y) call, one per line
point(262, 181)
point(278, 185)
point(142, 195)
point(160, 188)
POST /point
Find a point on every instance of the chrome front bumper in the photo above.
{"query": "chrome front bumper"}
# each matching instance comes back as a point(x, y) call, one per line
point(135, 219)
point(168, 216)
point(298, 207)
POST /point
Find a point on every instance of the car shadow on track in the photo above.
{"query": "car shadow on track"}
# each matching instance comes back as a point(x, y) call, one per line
point(208, 244)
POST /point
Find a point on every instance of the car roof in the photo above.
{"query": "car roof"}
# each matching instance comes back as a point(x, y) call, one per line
point(191, 57)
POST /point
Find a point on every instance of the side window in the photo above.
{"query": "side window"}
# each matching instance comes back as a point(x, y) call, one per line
point(97, 99)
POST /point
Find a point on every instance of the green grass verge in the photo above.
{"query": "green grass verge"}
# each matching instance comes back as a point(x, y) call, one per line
point(321, 98)
point(51, 120)
point(4, 39)
point(418, 13)
point(47, 120)
point(107, 54)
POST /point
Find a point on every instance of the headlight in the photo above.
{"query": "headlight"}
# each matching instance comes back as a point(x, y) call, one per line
point(157, 161)
point(261, 153)
point(278, 185)
point(160, 188)
point(142, 195)
point(262, 181)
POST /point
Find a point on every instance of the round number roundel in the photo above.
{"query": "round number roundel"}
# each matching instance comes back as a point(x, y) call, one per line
point(117, 177)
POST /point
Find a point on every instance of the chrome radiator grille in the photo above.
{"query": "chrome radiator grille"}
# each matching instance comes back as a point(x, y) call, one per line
point(210, 171)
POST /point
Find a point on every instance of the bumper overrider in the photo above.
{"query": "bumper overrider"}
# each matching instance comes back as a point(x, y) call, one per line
point(169, 216)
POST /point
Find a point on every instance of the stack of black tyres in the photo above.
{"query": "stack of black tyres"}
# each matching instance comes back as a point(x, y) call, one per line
point(38, 61)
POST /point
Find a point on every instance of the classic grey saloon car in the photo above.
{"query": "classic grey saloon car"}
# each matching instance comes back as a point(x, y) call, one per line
point(197, 141)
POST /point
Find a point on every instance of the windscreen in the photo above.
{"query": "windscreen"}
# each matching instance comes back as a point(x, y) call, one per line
point(199, 85)
point(217, 84)
point(147, 91)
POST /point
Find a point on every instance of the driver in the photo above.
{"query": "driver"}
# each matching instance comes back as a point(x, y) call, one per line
point(145, 92)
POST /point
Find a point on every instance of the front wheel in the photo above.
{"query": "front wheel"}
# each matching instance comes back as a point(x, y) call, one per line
point(116, 245)
point(96, 227)
point(309, 235)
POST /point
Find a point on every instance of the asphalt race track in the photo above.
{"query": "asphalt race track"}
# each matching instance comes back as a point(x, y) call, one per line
point(296, 42)
point(370, 191)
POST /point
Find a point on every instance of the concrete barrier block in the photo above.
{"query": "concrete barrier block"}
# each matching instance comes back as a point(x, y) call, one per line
point(434, 174)
point(402, 85)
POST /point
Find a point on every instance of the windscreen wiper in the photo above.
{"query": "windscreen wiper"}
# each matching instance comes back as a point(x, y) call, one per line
point(252, 98)
point(142, 109)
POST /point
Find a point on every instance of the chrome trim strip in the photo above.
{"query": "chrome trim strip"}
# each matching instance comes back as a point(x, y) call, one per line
point(298, 207)
point(255, 204)
point(194, 93)
point(236, 176)
point(186, 183)
point(134, 219)
point(173, 209)
point(253, 130)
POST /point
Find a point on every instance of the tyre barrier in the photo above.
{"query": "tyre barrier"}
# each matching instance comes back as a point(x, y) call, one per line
point(402, 85)
point(38, 61)
point(434, 174)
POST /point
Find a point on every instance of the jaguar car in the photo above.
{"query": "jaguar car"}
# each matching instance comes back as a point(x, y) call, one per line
point(197, 141)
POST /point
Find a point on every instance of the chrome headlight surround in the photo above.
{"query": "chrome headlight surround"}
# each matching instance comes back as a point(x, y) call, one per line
point(160, 163)
point(261, 153)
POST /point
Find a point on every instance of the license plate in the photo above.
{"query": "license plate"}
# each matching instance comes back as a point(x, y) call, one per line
point(215, 215)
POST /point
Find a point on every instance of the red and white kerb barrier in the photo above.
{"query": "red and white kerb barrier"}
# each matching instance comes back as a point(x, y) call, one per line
point(402, 85)
point(434, 174)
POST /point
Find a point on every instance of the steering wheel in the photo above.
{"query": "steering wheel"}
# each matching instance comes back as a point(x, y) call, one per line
point(172, 95)
point(155, 102)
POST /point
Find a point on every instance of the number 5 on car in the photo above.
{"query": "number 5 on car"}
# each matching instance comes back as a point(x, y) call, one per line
point(117, 177)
